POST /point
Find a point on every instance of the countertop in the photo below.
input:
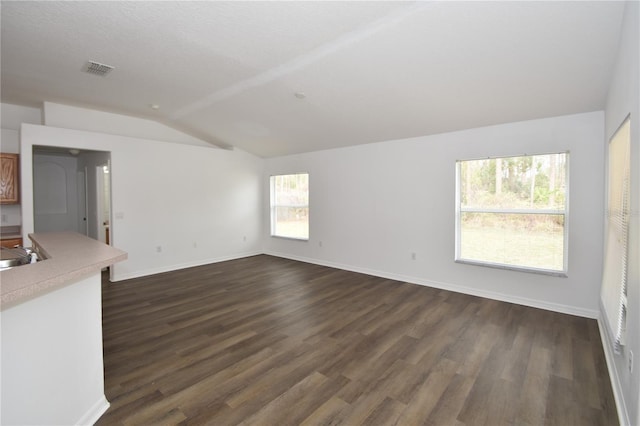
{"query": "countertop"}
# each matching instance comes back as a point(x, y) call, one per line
point(69, 257)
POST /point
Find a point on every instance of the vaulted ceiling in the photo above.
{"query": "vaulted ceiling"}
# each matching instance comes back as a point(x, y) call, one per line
point(277, 78)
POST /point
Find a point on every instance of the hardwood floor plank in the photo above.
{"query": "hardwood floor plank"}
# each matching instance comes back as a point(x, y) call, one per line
point(585, 373)
point(561, 407)
point(518, 358)
point(269, 341)
point(562, 360)
point(476, 345)
point(278, 378)
point(328, 413)
point(532, 403)
point(279, 411)
point(372, 363)
point(131, 402)
point(407, 380)
point(386, 413)
point(426, 397)
point(474, 411)
point(448, 407)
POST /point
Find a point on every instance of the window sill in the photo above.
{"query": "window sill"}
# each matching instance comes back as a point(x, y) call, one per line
point(559, 274)
point(289, 238)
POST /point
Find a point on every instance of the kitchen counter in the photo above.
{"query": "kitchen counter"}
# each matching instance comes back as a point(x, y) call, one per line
point(52, 355)
point(69, 257)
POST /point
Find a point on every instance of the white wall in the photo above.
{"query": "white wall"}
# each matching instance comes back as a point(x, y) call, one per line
point(371, 206)
point(624, 99)
point(198, 204)
point(11, 117)
point(10, 141)
point(52, 368)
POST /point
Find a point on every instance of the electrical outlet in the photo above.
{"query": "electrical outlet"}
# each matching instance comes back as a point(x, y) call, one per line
point(413, 256)
point(319, 243)
point(630, 362)
point(4, 218)
point(158, 249)
point(195, 244)
point(244, 239)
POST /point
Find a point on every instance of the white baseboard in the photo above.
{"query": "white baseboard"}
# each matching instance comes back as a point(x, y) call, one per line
point(555, 307)
point(175, 267)
point(95, 412)
point(618, 396)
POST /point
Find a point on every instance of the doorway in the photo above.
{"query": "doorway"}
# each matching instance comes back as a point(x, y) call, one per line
point(72, 191)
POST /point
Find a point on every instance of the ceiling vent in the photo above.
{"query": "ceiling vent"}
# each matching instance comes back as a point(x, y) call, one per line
point(97, 68)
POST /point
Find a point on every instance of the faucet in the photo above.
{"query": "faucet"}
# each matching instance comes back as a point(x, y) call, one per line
point(27, 250)
point(29, 253)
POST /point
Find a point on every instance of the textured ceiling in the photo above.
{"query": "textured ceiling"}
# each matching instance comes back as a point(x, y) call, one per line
point(371, 71)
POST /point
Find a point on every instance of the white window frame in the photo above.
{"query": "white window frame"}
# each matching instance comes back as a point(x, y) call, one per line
point(273, 207)
point(565, 213)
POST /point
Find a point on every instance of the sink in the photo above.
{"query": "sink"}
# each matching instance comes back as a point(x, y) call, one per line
point(12, 257)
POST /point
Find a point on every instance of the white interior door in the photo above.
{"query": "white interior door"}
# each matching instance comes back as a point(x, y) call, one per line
point(103, 203)
point(100, 205)
point(55, 194)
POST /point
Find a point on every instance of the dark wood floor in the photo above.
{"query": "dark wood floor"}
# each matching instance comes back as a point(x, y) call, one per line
point(269, 341)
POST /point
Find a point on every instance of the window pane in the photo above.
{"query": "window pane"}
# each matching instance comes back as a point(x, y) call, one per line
point(527, 240)
point(292, 222)
point(531, 182)
point(291, 189)
point(290, 206)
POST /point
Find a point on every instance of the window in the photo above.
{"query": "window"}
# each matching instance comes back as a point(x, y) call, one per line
point(290, 206)
point(614, 280)
point(511, 212)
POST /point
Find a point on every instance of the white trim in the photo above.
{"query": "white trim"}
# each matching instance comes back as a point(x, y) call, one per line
point(552, 272)
point(555, 307)
point(496, 157)
point(290, 238)
point(616, 385)
point(95, 412)
point(153, 271)
point(512, 211)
